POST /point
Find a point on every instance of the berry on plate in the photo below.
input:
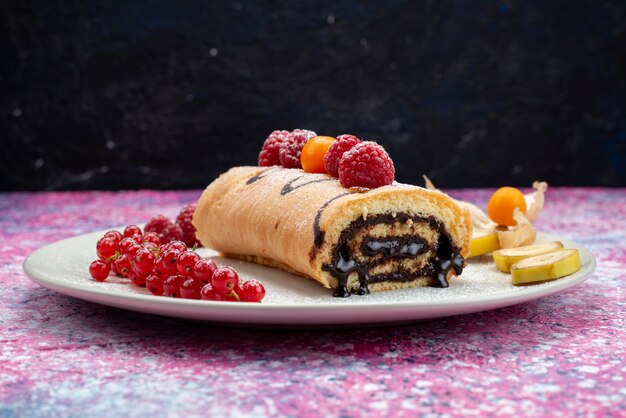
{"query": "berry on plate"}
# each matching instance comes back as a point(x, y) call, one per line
point(154, 284)
point(168, 269)
point(186, 262)
point(183, 220)
point(166, 229)
point(224, 279)
point(190, 289)
point(252, 291)
point(203, 270)
point(171, 285)
point(99, 270)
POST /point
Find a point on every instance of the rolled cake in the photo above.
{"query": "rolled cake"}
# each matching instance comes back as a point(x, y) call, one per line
point(351, 240)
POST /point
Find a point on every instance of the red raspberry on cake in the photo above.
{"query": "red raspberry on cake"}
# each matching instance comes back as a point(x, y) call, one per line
point(166, 230)
point(366, 165)
point(183, 220)
point(291, 148)
point(343, 144)
point(271, 148)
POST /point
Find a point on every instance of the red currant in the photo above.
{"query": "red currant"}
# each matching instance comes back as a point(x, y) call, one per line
point(144, 260)
point(131, 231)
point(190, 289)
point(224, 279)
point(203, 270)
point(154, 284)
point(252, 291)
point(186, 261)
point(159, 268)
point(150, 246)
point(114, 235)
point(124, 244)
point(123, 265)
point(138, 278)
point(231, 296)
point(169, 258)
point(151, 237)
point(132, 250)
point(99, 270)
point(114, 268)
point(208, 293)
point(106, 248)
point(177, 245)
point(171, 285)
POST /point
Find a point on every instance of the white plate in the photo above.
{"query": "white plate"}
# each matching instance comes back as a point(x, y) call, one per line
point(290, 300)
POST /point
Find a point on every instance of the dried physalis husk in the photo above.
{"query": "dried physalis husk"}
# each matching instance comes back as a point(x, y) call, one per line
point(534, 200)
point(516, 236)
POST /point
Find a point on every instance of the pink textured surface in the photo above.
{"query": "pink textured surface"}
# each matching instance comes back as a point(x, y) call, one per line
point(558, 356)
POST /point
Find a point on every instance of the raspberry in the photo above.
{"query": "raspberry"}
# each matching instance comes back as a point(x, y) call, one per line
point(366, 165)
point(291, 148)
point(183, 220)
point(165, 229)
point(343, 144)
point(271, 147)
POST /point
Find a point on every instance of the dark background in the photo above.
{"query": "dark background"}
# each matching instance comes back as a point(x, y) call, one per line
point(168, 94)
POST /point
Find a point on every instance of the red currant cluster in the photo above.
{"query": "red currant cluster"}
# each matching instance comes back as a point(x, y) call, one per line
point(169, 269)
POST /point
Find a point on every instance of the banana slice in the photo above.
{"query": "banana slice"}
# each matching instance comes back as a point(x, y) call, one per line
point(504, 258)
point(483, 243)
point(545, 267)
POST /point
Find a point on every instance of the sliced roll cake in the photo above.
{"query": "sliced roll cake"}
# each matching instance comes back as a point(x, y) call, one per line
point(351, 240)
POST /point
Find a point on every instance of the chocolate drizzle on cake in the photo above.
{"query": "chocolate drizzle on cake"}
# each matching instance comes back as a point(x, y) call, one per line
point(380, 250)
point(318, 234)
point(260, 175)
point(289, 187)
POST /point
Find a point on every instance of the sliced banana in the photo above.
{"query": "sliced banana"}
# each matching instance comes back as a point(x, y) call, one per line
point(483, 243)
point(545, 267)
point(504, 258)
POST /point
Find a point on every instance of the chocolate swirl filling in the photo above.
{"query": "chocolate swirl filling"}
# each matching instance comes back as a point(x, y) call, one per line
point(376, 251)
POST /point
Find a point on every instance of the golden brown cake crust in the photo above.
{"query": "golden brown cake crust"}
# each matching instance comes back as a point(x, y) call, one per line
point(292, 220)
